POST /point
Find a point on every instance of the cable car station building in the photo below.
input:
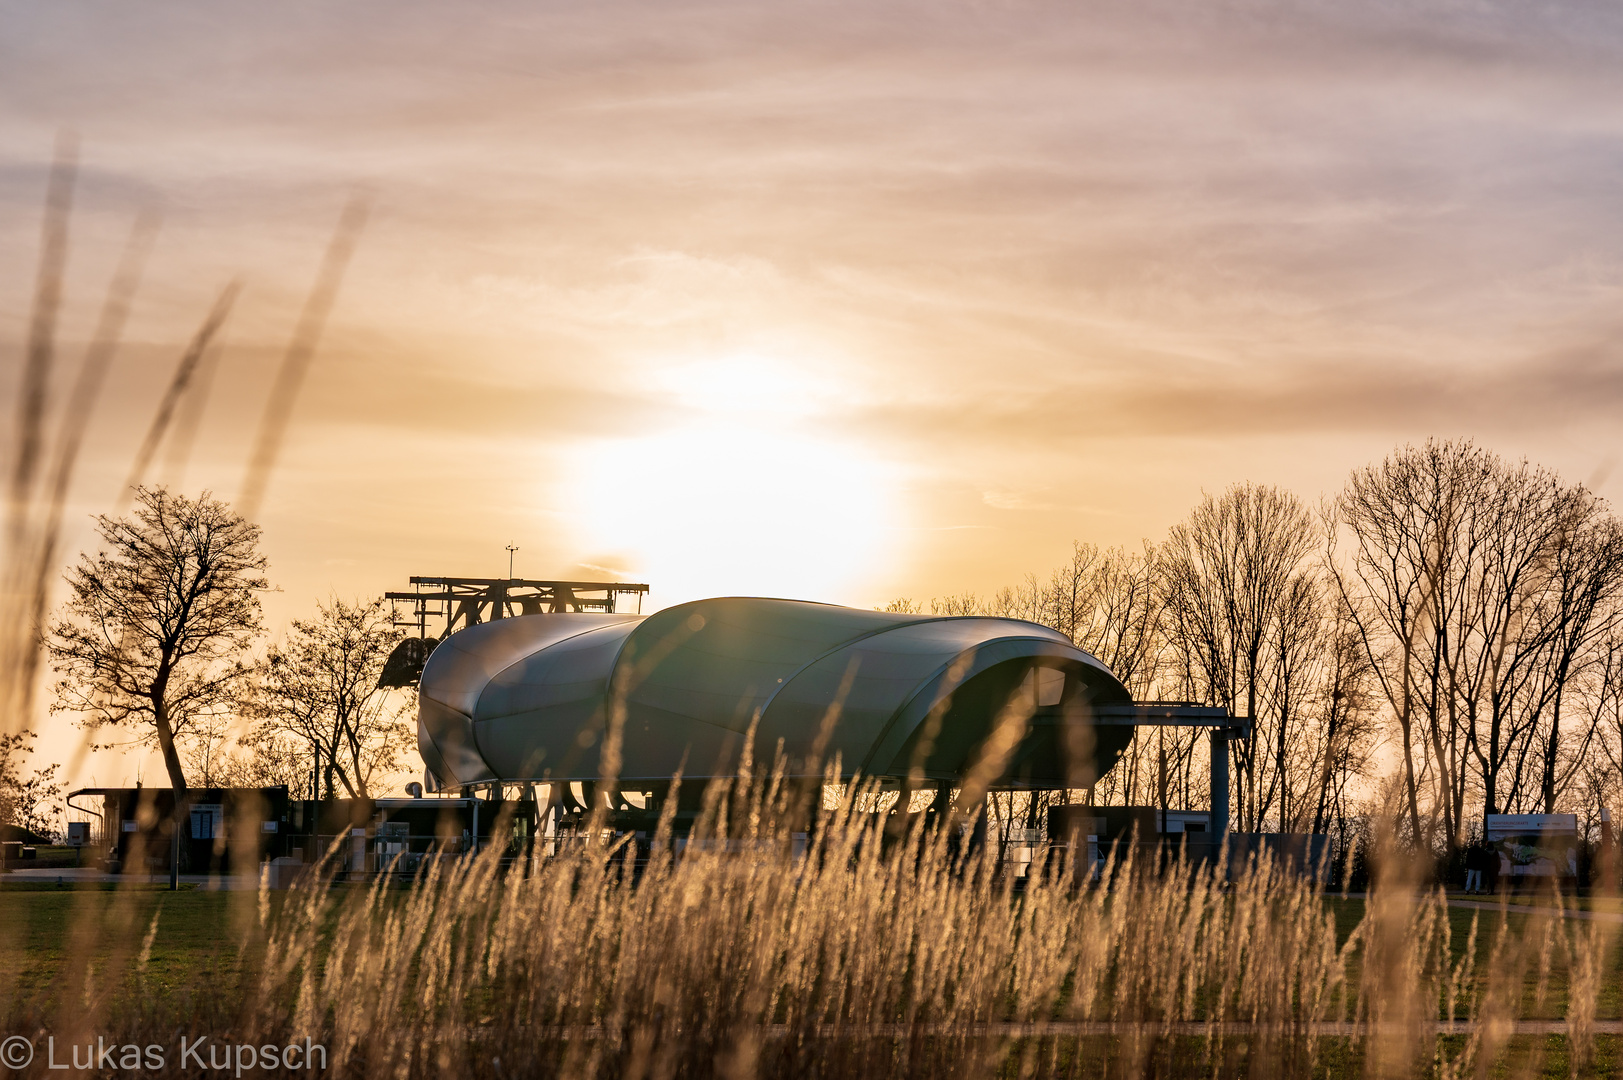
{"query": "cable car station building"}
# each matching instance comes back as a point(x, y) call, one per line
point(527, 700)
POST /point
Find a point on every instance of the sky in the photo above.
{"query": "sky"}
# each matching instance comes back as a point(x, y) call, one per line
point(823, 299)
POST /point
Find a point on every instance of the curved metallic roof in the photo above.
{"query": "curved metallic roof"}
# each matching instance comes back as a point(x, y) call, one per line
point(529, 697)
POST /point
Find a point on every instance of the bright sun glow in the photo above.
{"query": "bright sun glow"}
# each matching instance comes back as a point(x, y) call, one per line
point(745, 387)
point(742, 497)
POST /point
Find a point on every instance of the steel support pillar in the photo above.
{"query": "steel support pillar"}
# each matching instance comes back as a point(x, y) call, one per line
point(1220, 784)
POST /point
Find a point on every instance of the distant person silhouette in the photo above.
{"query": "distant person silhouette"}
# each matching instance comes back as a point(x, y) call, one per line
point(1476, 859)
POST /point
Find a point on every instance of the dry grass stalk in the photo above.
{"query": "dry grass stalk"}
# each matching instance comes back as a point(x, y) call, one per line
point(862, 958)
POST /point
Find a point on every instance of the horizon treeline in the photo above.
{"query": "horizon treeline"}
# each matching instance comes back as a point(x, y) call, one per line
point(1440, 640)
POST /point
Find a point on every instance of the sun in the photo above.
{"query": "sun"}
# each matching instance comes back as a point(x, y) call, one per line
point(743, 492)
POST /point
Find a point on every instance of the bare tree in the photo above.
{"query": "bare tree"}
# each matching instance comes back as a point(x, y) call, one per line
point(1483, 592)
point(206, 748)
point(154, 632)
point(1585, 615)
point(1120, 619)
point(1107, 601)
point(219, 755)
point(1024, 601)
point(1070, 598)
point(321, 689)
point(1477, 604)
point(1297, 652)
point(261, 760)
point(1347, 705)
point(1228, 573)
point(1606, 704)
point(1410, 520)
point(963, 604)
point(1500, 629)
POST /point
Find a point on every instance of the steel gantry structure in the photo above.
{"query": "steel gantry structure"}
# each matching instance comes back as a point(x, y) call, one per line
point(461, 602)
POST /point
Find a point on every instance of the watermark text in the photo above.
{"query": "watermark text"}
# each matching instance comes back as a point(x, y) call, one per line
point(203, 1054)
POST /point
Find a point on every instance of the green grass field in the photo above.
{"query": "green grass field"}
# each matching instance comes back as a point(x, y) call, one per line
point(45, 922)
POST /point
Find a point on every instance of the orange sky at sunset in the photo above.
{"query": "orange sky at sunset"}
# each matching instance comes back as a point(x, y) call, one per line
point(823, 299)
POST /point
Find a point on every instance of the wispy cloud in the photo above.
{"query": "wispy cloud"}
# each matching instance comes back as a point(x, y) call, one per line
point(1028, 242)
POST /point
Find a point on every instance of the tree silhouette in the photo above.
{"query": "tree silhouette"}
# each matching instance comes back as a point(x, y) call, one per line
point(321, 688)
point(155, 631)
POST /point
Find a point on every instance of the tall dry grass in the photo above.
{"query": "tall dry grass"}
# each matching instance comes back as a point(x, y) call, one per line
point(858, 958)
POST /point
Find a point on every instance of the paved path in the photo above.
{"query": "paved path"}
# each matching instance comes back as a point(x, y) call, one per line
point(1322, 1028)
point(1184, 1028)
point(241, 882)
point(1529, 909)
point(1460, 901)
point(77, 875)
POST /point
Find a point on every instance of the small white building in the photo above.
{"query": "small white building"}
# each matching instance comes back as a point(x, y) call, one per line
point(1187, 821)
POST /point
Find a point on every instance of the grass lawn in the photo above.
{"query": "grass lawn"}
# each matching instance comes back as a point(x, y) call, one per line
point(1520, 924)
point(196, 940)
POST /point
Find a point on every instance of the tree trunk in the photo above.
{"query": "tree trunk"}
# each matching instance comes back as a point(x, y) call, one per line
point(1406, 725)
point(181, 813)
point(1252, 824)
point(1329, 761)
point(1552, 748)
point(1279, 759)
point(166, 745)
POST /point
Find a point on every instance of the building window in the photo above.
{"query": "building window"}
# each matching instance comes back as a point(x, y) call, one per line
point(208, 821)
